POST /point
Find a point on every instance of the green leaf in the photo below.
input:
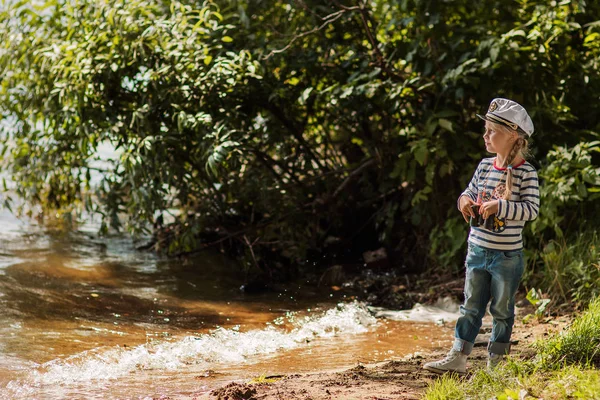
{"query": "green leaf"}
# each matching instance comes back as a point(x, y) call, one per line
point(446, 124)
point(494, 51)
point(421, 152)
point(532, 296)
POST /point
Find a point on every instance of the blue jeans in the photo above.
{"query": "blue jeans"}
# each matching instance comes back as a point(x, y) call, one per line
point(495, 275)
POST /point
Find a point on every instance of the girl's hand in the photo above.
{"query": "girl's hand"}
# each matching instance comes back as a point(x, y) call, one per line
point(465, 204)
point(488, 208)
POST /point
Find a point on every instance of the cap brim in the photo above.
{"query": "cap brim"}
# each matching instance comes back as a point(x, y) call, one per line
point(484, 118)
point(496, 121)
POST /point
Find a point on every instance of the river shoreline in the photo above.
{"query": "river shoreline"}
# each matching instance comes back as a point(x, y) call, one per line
point(393, 379)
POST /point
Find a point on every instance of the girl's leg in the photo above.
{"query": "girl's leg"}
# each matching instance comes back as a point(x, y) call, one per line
point(506, 269)
point(477, 295)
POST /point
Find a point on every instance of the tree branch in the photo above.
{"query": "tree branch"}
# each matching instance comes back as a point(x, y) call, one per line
point(297, 133)
point(263, 159)
point(364, 16)
point(328, 19)
point(269, 162)
point(351, 177)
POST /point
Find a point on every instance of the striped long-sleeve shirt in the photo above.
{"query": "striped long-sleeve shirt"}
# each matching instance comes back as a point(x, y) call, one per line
point(487, 184)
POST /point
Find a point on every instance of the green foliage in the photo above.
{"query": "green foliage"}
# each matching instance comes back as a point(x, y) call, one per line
point(128, 74)
point(519, 380)
point(278, 128)
point(579, 345)
point(536, 298)
point(447, 387)
point(568, 268)
point(447, 243)
point(571, 186)
point(574, 382)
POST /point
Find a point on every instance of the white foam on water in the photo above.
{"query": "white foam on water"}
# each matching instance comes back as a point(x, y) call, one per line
point(220, 346)
point(444, 310)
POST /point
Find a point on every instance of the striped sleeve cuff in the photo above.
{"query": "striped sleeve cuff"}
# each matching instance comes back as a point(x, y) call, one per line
point(502, 208)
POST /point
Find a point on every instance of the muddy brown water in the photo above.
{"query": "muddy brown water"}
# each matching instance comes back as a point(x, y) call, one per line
point(85, 317)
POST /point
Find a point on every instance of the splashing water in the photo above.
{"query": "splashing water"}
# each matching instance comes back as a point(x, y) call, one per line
point(219, 346)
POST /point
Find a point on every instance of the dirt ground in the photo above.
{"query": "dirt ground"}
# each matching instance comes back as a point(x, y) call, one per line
point(395, 379)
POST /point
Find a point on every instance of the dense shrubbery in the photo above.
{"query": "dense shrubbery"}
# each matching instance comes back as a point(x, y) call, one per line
point(287, 130)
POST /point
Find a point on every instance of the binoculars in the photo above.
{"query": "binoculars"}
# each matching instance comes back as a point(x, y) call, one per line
point(478, 220)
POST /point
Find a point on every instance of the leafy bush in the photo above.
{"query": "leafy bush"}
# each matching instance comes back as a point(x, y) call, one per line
point(568, 269)
point(570, 188)
point(286, 132)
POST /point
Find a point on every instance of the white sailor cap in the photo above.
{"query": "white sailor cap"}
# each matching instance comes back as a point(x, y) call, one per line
point(509, 113)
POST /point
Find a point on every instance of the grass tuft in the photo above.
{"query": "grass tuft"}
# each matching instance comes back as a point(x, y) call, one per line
point(579, 345)
point(569, 269)
point(446, 387)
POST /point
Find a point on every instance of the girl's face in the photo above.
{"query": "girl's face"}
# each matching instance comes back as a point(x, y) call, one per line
point(497, 139)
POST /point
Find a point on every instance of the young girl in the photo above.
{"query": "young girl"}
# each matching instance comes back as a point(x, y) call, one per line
point(504, 193)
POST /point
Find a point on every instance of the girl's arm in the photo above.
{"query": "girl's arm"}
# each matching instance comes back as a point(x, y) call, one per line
point(528, 207)
point(471, 190)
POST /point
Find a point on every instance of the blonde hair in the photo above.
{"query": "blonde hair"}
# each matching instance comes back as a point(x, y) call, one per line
point(520, 148)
